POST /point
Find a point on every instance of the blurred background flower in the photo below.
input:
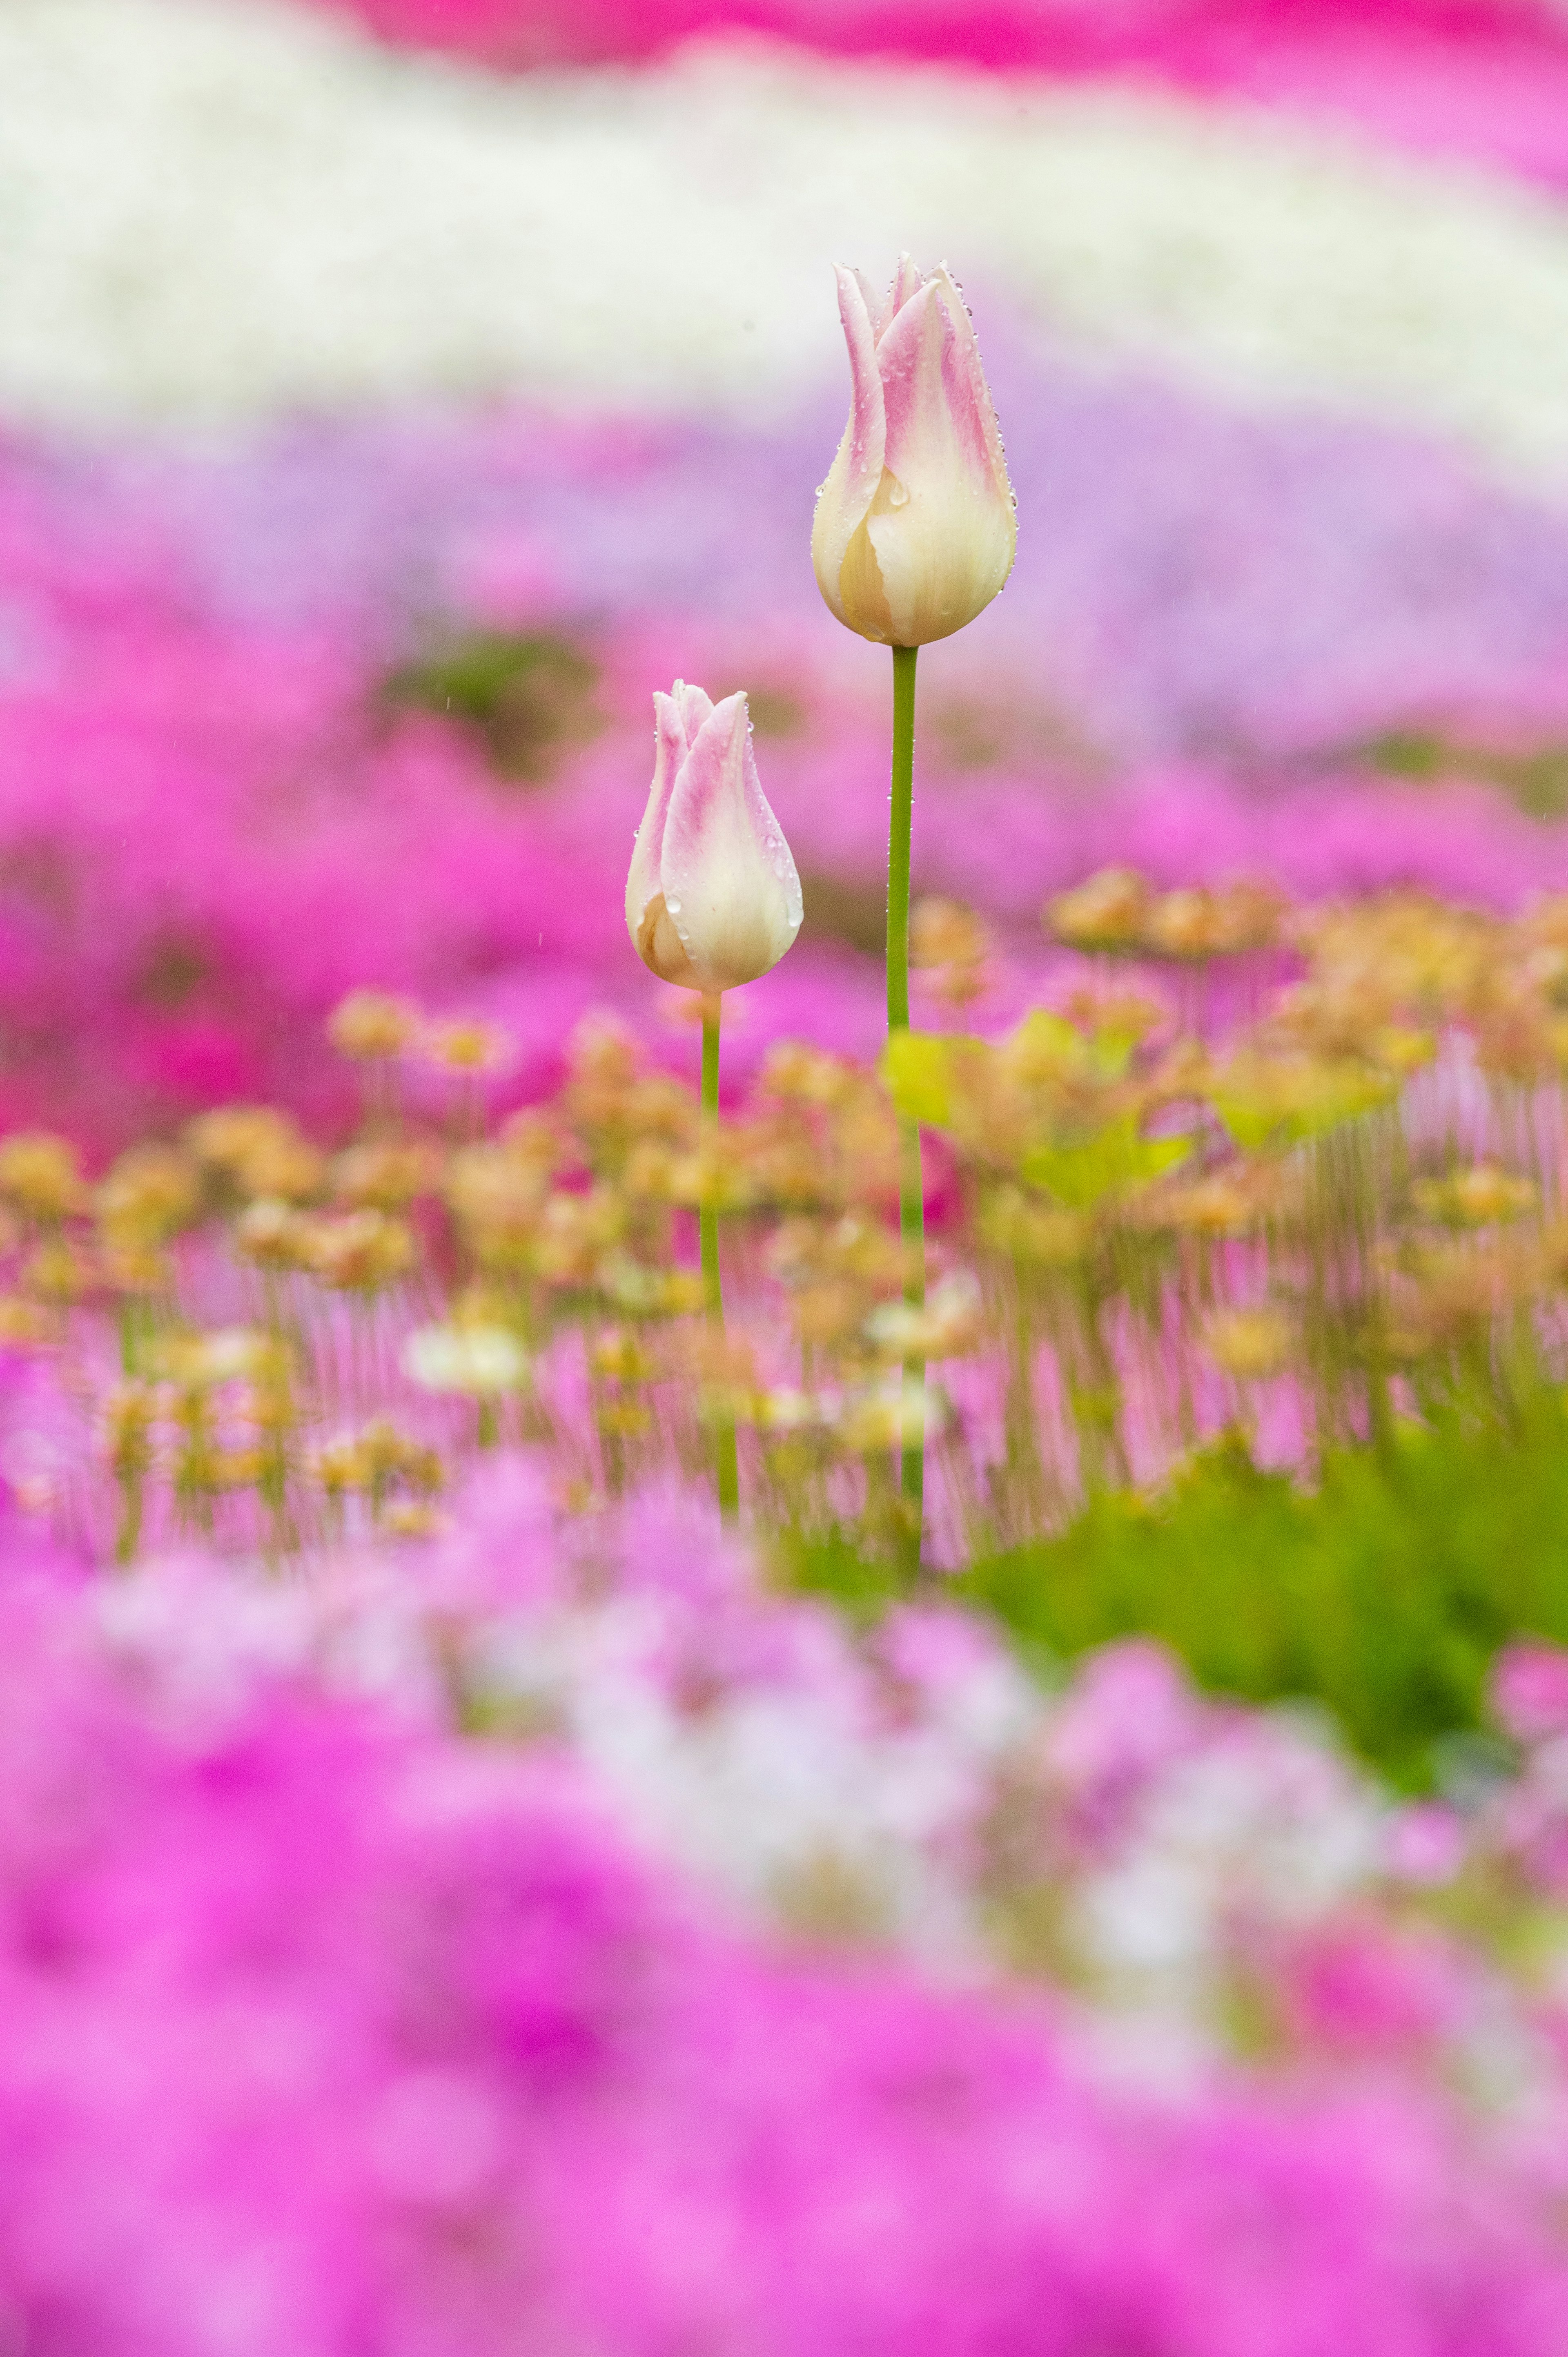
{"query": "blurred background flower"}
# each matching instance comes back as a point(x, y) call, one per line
point(382, 395)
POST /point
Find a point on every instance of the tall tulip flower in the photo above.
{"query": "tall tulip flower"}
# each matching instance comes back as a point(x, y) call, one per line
point(915, 534)
point(915, 529)
point(713, 900)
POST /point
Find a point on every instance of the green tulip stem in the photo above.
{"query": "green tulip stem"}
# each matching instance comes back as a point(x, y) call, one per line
point(725, 1464)
point(911, 1188)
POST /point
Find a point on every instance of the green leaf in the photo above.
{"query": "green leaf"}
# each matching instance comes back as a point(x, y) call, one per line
point(1116, 1159)
point(918, 1069)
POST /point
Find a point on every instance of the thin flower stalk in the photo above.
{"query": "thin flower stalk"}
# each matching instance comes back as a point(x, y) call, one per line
point(911, 1184)
point(725, 1464)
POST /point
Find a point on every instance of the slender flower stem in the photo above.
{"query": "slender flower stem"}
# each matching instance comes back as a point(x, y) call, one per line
point(708, 1231)
point(911, 1188)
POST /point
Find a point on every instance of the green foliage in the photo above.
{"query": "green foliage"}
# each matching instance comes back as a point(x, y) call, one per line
point(530, 693)
point(1534, 776)
point(862, 1586)
point(1383, 1594)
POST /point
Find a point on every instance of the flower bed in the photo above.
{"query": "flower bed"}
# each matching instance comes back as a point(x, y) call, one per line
point(919, 1701)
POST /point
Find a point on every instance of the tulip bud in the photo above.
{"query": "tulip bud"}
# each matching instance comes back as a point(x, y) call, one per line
point(915, 529)
point(713, 899)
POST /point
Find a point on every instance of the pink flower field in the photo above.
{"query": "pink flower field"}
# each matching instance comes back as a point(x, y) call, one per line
point(803, 1598)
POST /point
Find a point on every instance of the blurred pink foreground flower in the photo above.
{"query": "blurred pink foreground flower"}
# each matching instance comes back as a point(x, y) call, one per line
point(915, 529)
point(713, 899)
point(325, 2030)
point(1530, 1692)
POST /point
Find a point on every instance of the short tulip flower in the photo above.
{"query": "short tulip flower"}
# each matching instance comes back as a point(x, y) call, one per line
point(915, 529)
point(713, 899)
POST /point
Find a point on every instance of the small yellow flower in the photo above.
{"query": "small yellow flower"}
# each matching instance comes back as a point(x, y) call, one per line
point(411, 1518)
point(1226, 1203)
point(1109, 911)
point(809, 1075)
point(134, 1268)
point(284, 1167)
point(470, 1046)
point(341, 1468)
point(128, 1414)
point(223, 1137)
point(41, 1175)
point(362, 1252)
point(273, 1235)
point(259, 1151)
point(396, 1457)
point(57, 1273)
point(637, 1291)
point(371, 1027)
point(1032, 1232)
point(387, 1176)
point(1199, 923)
point(949, 942)
point(1474, 1197)
point(574, 1234)
point(1251, 1344)
point(198, 1361)
point(149, 1194)
point(620, 1358)
point(25, 1325)
point(624, 1419)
